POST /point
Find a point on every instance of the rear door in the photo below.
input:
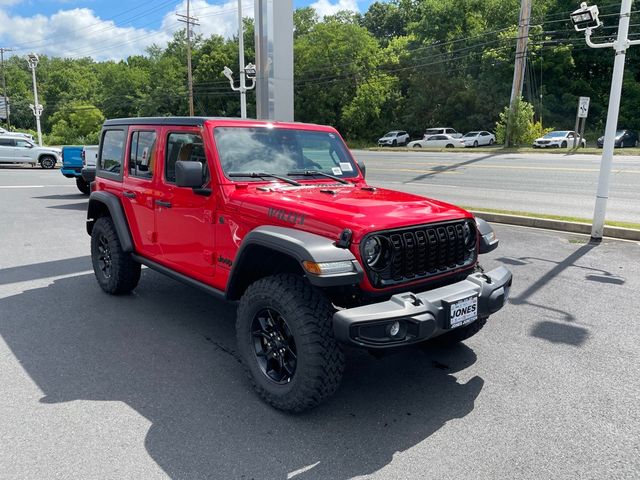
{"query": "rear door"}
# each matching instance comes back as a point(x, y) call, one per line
point(139, 187)
point(184, 219)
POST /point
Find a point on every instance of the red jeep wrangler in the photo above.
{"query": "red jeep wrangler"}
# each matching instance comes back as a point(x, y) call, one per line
point(278, 216)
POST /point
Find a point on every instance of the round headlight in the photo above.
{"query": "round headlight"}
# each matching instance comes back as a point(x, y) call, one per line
point(469, 236)
point(371, 251)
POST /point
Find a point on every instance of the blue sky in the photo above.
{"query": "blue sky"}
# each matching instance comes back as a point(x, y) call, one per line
point(118, 28)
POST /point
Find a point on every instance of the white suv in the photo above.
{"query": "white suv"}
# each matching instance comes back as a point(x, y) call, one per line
point(17, 149)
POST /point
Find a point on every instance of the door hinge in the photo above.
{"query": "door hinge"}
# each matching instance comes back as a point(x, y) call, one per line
point(209, 256)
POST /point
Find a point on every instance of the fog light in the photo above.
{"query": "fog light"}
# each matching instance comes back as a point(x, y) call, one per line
point(394, 329)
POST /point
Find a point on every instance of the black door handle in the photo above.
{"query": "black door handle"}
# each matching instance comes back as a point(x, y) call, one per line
point(129, 194)
point(162, 203)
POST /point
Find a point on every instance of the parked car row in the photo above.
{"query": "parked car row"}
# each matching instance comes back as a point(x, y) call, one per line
point(439, 137)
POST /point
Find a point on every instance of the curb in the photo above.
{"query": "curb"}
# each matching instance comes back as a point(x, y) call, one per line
point(561, 225)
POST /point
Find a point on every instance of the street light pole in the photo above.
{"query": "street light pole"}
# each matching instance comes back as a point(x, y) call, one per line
point(243, 89)
point(36, 108)
point(620, 47)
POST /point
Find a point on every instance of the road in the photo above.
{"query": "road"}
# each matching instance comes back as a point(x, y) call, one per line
point(540, 183)
point(149, 385)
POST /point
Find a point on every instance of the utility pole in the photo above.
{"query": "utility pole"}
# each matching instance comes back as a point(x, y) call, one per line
point(189, 20)
point(4, 87)
point(520, 64)
point(36, 108)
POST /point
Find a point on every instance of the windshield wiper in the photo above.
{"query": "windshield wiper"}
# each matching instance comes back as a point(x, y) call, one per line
point(265, 175)
point(311, 173)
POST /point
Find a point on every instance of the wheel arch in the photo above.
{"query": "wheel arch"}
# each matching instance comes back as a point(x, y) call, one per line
point(270, 250)
point(103, 204)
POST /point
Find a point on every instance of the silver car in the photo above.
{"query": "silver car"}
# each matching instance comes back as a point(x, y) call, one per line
point(18, 149)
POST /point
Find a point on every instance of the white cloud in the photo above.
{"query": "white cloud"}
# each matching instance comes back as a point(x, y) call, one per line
point(79, 32)
point(218, 19)
point(327, 7)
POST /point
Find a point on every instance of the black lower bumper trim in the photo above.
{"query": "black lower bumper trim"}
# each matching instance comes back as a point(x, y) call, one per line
point(420, 316)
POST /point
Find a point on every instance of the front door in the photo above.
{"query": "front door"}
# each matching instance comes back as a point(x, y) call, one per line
point(184, 220)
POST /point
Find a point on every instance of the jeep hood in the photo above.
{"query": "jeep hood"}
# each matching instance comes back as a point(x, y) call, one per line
point(327, 209)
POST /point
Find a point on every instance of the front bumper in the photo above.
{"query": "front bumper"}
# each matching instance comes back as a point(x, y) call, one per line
point(422, 316)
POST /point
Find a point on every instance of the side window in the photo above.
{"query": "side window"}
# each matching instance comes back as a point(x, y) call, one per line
point(187, 147)
point(142, 154)
point(22, 143)
point(6, 142)
point(112, 151)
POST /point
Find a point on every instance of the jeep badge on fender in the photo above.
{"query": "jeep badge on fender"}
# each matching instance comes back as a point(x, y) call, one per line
point(315, 257)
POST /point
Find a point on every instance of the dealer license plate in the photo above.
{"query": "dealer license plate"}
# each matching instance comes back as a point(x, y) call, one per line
point(463, 312)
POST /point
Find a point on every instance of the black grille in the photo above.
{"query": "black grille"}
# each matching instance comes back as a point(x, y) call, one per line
point(421, 252)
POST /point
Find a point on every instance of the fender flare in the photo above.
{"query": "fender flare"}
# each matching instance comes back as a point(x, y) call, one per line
point(96, 202)
point(488, 239)
point(300, 246)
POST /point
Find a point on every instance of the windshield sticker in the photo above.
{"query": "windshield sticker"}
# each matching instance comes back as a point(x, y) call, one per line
point(336, 171)
point(346, 167)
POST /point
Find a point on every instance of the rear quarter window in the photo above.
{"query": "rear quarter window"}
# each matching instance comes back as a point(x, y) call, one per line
point(112, 152)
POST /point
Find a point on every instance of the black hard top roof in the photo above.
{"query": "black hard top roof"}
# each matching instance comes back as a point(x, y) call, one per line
point(188, 121)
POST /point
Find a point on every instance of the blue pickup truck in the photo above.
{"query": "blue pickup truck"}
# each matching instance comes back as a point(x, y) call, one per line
point(72, 166)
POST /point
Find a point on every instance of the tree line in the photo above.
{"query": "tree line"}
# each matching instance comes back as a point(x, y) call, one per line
point(402, 64)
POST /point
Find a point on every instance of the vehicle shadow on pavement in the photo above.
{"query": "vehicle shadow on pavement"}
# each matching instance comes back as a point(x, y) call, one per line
point(81, 206)
point(439, 169)
point(168, 351)
point(68, 196)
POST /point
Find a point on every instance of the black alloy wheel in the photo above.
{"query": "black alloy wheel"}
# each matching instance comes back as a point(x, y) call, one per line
point(105, 260)
point(274, 346)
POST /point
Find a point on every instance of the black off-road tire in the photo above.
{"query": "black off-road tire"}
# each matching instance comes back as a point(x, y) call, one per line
point(83, 185)
point(461, 334)
point(308, 315)
point(47, 162)
point(123, 274)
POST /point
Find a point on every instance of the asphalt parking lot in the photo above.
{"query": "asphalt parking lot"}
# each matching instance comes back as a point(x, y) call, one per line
point(149, 385)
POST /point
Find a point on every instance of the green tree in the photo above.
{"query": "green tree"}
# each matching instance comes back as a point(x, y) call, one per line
point(76, 123)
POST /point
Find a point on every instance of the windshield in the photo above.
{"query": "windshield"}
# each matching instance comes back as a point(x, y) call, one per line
point(282, 151)
point(472, 134)
point(390, 134)
point(555, 134)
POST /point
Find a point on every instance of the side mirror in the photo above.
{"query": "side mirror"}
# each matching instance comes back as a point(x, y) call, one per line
point(29, 145)
point(189, 174)
point(363, 168)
